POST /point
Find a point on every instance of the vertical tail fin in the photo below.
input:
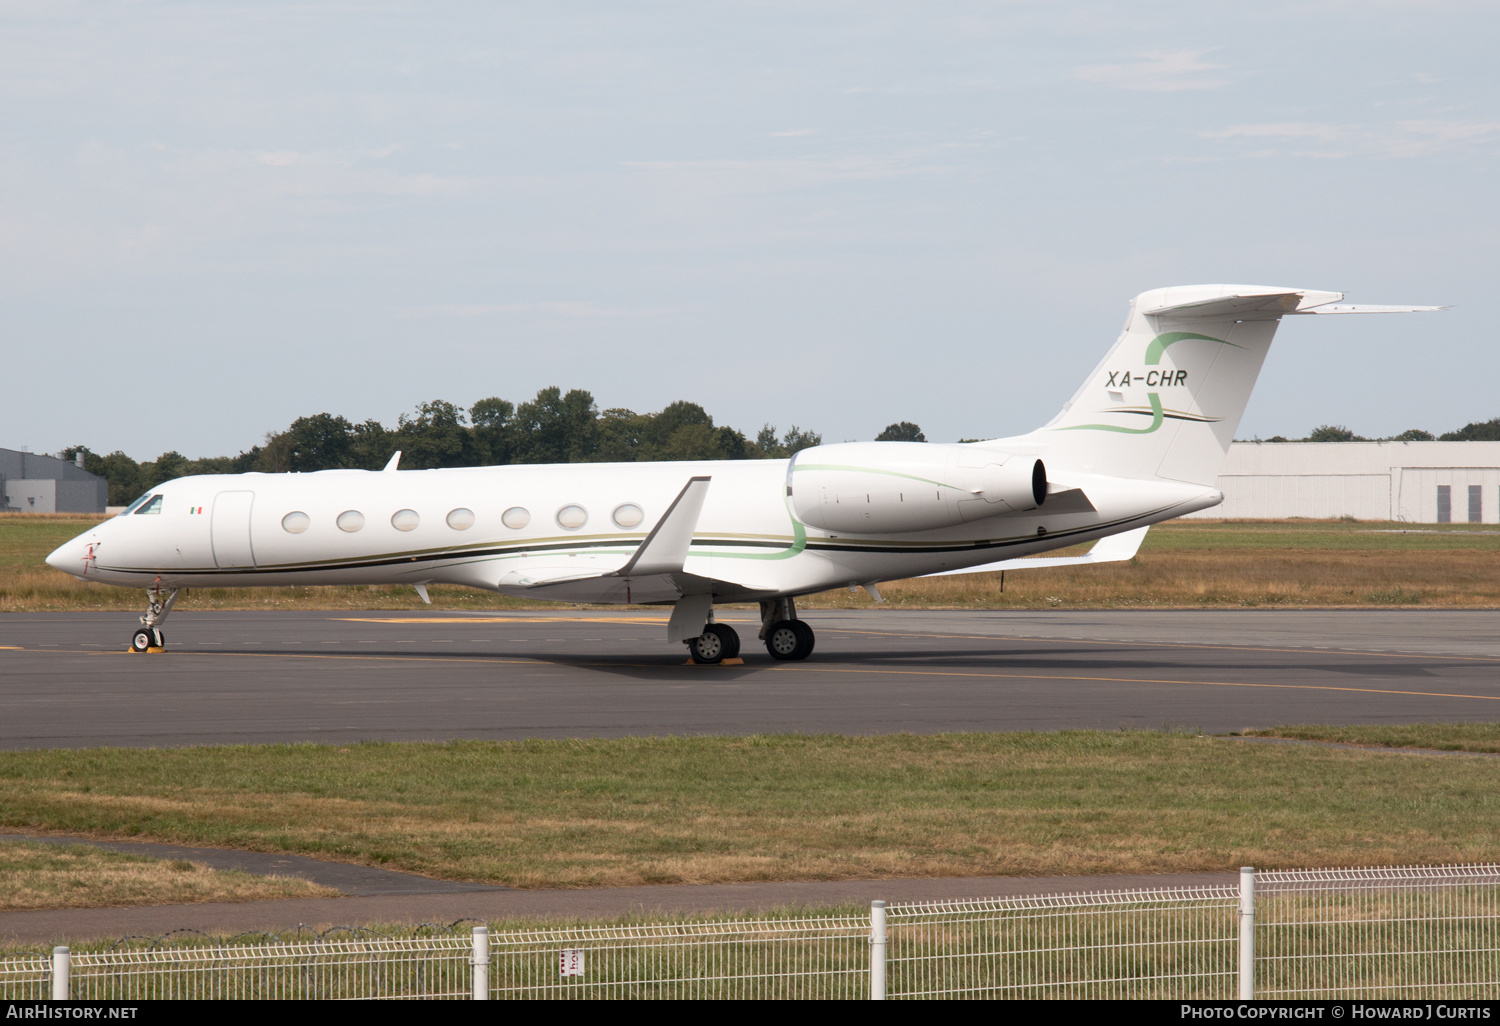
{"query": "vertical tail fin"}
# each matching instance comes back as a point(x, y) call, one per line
point(1166, 400)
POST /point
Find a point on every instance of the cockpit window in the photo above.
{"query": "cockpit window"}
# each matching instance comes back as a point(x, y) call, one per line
point(152, 506)
point(137, 504)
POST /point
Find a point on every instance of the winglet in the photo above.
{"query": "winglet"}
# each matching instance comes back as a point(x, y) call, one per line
point(391, 463)
point(666, 548)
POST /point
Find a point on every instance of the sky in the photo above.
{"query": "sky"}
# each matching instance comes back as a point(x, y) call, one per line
point(217, 217)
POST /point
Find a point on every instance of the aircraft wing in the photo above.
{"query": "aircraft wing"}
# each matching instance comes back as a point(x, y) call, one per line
point(1113, 549)
point(653, 573)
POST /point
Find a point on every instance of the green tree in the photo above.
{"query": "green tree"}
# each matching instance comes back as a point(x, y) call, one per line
point(620, 432)
point(436, 437)
point(557, 428)
point(169, 466)
point(768, 447)
point(240, 464)
point(371, 445)
point(1413, 435)
point(494, 430)
point(319, 442)
point(685, 431)
point(1333, 433)
point(901, 431)
point(1474, 431)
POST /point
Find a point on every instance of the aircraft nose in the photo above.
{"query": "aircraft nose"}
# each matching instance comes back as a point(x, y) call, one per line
point(69, 556)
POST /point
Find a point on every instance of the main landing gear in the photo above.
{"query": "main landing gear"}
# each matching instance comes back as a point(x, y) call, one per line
point(786, 637)
point(149, 636)
point(718, 642)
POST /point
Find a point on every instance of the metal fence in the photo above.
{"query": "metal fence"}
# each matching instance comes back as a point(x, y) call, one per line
point(1121, 944)
point(1354, 933)
point(783, 958)
point(1378, 933)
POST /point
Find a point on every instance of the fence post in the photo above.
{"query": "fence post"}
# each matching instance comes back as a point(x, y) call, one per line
point(61, 958)
point(1247, 933)
point(877, 950)
point(481, 963)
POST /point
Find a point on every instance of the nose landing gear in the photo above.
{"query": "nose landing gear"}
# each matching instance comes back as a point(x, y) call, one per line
point(146, 639)
point(786, 637)
point(149, 638)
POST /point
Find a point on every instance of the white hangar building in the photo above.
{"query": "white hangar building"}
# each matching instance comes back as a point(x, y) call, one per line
point(1417, 482)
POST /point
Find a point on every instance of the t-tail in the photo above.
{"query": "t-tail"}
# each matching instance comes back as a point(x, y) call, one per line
point(1166, 400)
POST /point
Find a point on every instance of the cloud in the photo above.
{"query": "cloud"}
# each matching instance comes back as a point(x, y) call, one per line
point(1412, 138)
point(789, 133)
point(1157, 71)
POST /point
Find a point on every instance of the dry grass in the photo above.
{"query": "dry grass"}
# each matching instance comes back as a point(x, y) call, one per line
point(1193, 563)
point(37, 876)
point(701, 810)
point(1443, 737)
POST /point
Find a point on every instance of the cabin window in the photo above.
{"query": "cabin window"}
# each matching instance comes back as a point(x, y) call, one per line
point(295, 523)
point(351, 520)
point(516, 518)
point(572, 517)
point(153, 505)
point(461, 519)
point(628, 515)
point(405, 520)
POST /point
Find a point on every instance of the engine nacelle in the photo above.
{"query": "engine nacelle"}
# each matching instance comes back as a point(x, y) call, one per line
point(895, 487)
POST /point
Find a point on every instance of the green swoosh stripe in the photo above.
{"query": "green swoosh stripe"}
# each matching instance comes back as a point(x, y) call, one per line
point(1156, 421)
point(1159, 344)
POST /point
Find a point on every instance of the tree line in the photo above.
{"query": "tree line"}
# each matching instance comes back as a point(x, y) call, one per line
point(554, 427)
point(1474, 431)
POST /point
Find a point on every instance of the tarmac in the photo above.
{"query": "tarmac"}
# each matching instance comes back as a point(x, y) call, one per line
point(255, 678)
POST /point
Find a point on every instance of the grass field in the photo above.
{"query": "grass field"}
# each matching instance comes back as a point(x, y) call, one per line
point(36, 876)
point(1443, 737)
point(698, 810)
point(1195, 563)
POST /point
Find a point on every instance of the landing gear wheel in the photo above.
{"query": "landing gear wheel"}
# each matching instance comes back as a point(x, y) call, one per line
point(142, 640)
point(731, 639)
point(717, 643)
point(158, 638)
point(789, 639)
point(808, 638)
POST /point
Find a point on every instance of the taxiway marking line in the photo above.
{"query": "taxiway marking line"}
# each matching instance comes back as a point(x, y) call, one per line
point(501, 619)
point(1160, 644)
point(823, 669)
point(644, 620)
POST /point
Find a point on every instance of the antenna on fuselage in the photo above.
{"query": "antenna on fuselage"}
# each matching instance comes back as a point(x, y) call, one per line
point(391, 463)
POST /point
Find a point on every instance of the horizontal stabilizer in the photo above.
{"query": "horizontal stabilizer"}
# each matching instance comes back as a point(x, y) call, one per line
point(1113, 549)
point(1246, 302)
point(1350, 308)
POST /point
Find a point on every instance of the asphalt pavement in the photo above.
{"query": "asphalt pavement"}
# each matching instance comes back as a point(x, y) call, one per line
point(263, 677)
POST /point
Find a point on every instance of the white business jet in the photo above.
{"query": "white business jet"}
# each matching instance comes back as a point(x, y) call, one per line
point(1140, 442)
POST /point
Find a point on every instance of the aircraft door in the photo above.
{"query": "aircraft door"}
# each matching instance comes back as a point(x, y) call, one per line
point(231, 529)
